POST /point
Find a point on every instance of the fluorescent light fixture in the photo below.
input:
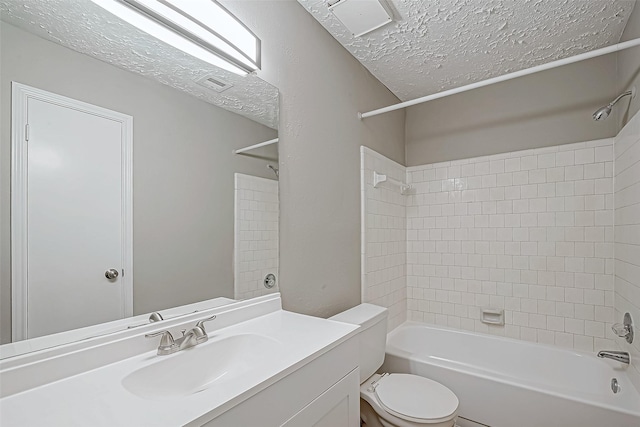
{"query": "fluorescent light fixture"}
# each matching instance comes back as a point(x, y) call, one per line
point(203, 29)
point(361, 16)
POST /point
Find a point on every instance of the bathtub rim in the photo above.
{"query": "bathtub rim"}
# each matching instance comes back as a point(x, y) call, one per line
point(413, 357)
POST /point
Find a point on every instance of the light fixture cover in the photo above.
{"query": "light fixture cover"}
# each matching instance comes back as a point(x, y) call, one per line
point(200, 28)
point(361, 16)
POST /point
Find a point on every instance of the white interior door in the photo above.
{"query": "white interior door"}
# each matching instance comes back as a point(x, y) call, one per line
point(76, 215)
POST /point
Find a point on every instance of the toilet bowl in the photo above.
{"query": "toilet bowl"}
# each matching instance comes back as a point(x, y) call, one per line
point(391, 399)
point(404, 400)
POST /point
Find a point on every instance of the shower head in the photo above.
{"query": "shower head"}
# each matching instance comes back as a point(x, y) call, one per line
point(275, 170)
point(603, 113)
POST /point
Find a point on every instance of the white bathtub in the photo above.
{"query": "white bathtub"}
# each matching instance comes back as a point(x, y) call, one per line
point(509, 383)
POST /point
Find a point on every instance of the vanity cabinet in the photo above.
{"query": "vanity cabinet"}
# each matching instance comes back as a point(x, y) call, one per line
point(324, 392)
point(337, 407)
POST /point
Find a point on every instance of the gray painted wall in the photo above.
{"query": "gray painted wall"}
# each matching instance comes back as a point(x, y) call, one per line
point(628, 72)
point(548, 108)
point(322, 87)
point(183, 171)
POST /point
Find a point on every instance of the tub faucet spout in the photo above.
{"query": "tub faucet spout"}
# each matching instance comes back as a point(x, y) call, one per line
point(619, 356)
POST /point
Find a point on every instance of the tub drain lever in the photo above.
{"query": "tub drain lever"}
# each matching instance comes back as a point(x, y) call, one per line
point(615, 387)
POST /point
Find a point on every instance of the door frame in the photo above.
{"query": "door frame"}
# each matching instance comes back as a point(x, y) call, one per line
point(20, 94)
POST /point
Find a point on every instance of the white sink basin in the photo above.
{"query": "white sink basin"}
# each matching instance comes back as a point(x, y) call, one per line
point(195, 369)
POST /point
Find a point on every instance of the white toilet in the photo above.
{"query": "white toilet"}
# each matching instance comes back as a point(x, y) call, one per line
point(394, 400)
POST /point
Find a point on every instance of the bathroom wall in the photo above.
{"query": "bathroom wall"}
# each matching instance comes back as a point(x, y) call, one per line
point(628, 70)
point(530, 232)
point(384, 236)
point(544, 109)
point(173, 132)
point(256, 235)
point(322, 88)
point(627, 177)
point(627, 235)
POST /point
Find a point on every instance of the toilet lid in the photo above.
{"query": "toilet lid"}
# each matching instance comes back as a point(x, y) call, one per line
point(412, 397)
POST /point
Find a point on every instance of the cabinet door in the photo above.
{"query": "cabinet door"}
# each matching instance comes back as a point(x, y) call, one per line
point(339, 406)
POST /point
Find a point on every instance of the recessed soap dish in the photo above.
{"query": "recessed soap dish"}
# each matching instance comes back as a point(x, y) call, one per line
point(492, 316)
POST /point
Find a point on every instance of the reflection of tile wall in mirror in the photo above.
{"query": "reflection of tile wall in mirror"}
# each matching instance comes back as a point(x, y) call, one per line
point(256, 235)
point(184, 138)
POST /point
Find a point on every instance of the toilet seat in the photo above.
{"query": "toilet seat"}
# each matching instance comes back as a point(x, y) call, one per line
point(411, 398)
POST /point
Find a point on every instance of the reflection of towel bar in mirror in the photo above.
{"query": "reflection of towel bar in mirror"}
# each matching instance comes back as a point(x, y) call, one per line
point(254, 146)
point(379, 178)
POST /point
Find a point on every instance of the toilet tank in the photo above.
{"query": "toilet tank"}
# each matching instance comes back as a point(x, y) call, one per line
point(372, 335)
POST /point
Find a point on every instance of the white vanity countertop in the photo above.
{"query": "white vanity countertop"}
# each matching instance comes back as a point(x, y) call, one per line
point(98, 397)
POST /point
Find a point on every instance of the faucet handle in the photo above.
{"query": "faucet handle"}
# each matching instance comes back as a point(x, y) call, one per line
point(200, 323)
point(624, 330)
point(620, 330)
point(155, 317)
point(166, 342)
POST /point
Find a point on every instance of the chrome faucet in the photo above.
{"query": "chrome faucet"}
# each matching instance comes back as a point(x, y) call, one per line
point(619, 356)
point(155, 317)
point(193, 337)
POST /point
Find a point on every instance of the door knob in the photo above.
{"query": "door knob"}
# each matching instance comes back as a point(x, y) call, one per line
point(111, 273)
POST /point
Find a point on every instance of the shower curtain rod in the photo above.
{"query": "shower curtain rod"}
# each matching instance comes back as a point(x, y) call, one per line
point(554, 64)
point(254, 146)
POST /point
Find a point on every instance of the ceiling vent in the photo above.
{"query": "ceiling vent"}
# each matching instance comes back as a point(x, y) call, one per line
point(214, 83)
point(361, 16)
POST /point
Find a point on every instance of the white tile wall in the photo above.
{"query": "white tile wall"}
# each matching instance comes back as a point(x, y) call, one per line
point(256, 235)
point(384, 228)
point(627, 235)
point(530, 232)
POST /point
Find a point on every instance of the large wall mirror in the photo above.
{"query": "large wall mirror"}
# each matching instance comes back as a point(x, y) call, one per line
point(124, 182)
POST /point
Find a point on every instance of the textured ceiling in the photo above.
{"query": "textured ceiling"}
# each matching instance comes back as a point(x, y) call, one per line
point(437, 45)
point(85, 27)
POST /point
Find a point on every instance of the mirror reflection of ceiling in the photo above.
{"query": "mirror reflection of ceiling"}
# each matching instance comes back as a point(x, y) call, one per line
point(87, 28)
point(435, 45)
